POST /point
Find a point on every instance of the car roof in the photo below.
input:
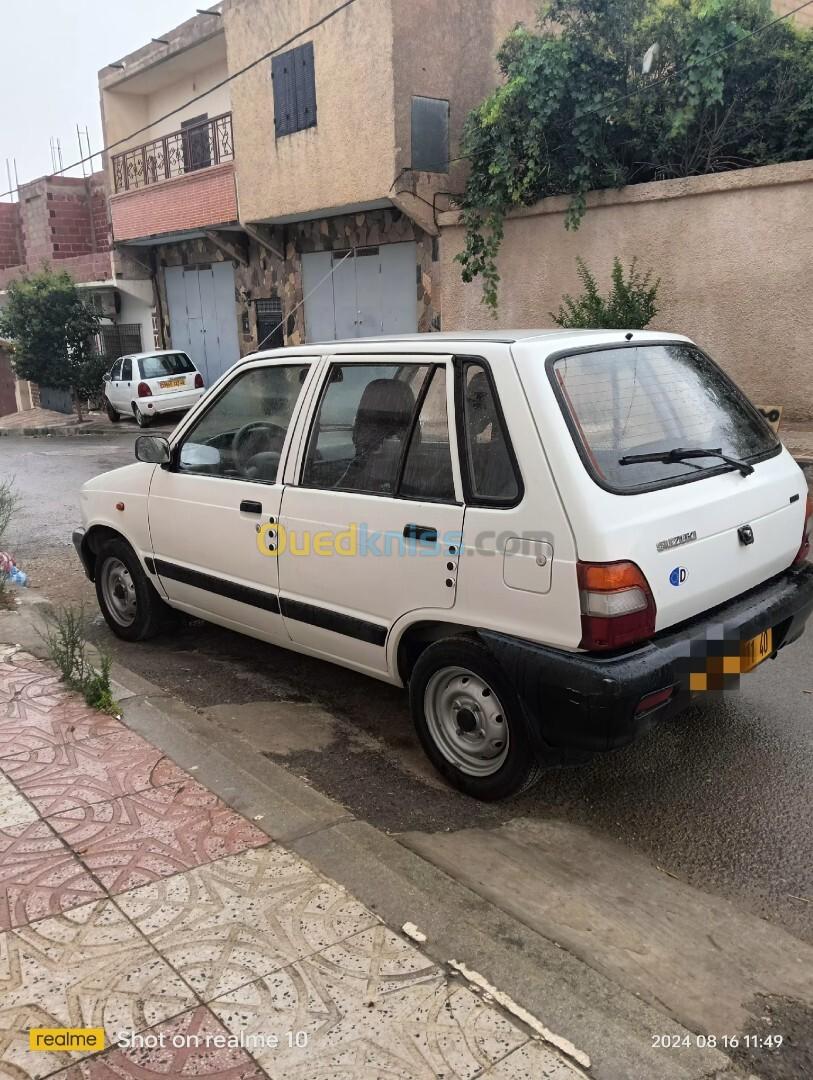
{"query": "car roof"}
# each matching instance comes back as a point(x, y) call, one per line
point(454, 341)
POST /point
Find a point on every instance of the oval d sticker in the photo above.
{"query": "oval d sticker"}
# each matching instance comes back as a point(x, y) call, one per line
point(678, 575)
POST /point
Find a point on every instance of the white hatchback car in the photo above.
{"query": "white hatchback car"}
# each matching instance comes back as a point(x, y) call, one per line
point(146, 384)
point(555, 539)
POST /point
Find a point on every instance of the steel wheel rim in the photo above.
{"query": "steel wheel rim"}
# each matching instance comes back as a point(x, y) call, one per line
point(466, 721)
point(118, 590)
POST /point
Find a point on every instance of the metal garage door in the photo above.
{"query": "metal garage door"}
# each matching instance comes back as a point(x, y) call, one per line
point(371, 293)
point(202, 316)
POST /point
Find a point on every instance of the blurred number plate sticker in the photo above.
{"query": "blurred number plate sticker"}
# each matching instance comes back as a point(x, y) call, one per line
point(170, 384)
point(755, 650)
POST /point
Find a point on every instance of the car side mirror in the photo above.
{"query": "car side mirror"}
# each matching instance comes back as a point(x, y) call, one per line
point(106, 377)
point(154, 449)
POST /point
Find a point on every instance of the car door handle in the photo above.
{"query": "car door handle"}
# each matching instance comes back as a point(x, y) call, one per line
point(425, 534)
point(249, 506)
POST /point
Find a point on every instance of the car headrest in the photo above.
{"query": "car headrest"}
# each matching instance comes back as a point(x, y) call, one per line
point(385, 410)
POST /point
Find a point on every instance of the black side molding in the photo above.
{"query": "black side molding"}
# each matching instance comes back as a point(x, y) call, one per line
point(242, 593)
point(349, 625)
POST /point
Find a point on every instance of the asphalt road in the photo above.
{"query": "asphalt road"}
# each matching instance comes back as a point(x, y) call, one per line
point(720, 798)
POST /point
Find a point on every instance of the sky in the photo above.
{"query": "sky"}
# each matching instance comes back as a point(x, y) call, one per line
point(52, 52)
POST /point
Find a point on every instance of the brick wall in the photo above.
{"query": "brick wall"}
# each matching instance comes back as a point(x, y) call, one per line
point(10, 236)
point(198, 200)
point(61, 218)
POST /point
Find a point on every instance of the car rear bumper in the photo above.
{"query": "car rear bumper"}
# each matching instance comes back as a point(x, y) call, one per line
point(580, 703)
point(174, 402)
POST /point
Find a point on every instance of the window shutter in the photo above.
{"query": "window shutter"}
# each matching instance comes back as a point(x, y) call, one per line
point(282, 76)
point(304, 86)
point(294, 81)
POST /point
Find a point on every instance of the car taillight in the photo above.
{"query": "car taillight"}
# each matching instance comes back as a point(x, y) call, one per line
point(617, 604)
point(198, 381)
point(804, 549)
point(144, 390)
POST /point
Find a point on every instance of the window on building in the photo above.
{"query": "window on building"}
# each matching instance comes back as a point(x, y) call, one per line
point(197, 147)
point(270, 332)
point(430, 134)
point(294, 82)
point(492, 475)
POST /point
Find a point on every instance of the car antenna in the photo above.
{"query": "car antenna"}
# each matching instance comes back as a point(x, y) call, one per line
point(628, 336)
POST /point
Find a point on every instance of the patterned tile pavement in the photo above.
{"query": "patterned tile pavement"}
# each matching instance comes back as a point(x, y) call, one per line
point(134, 899)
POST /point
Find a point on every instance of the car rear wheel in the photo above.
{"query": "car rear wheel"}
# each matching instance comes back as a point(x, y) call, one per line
point(112, 415)
point(470, 721)
point(129, 601)
point(141, 418)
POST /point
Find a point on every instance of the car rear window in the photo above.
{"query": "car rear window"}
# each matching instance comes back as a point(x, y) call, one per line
point(652, 398)
point(156, 367)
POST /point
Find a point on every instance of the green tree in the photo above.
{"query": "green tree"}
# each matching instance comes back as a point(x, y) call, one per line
point(576, 111)
point(52, 331)
point(630, 304)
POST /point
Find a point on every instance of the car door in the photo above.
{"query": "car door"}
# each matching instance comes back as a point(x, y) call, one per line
point(370, 524)
point(208, 508)
point(113, 387)
point(125, 392)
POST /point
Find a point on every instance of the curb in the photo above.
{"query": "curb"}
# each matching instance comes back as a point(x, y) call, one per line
point(69, 431)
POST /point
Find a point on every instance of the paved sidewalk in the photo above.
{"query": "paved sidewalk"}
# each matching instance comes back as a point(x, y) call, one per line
point(132, 898)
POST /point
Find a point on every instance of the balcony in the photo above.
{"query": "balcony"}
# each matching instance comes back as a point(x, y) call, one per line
point(180, 184)
point(195, 146)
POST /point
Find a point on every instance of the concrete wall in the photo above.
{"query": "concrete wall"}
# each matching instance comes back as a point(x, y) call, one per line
point(734, 253)
point(447, 49)
point(348, 158)
point(803, 18)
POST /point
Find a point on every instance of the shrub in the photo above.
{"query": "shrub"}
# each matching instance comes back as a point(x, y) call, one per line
point(630, 304)
point(52, 332)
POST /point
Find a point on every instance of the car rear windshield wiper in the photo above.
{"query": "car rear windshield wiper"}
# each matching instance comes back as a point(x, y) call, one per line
point(681, 453)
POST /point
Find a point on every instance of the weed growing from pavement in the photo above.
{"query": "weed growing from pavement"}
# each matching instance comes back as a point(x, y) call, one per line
point(65, 636)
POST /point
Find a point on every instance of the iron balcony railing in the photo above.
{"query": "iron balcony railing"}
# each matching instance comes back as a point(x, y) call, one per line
point(198, 145)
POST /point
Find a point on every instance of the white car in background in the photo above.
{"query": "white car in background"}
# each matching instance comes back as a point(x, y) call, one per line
point(145, 384)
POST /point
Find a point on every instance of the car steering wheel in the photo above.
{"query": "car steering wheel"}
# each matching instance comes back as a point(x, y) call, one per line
point(244, 445)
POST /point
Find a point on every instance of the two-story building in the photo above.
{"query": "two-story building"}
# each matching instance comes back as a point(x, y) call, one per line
point(297, 201)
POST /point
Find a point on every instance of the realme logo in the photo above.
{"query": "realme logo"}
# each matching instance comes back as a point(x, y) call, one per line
point(64, 1039)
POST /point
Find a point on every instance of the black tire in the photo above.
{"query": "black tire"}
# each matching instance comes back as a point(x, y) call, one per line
point(141, 418)
point(112, 415)
point(151, 614)
point(519, 769)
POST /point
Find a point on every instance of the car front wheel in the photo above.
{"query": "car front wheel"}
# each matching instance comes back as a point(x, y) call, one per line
point(112, 415)
point(470, 721)
point(129, 601)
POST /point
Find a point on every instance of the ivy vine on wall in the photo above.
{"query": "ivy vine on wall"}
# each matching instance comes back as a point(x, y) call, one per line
point(576, 111)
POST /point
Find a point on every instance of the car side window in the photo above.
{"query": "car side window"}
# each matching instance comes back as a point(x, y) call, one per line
point(361, 430)
point(428, 467)
point(492, 475)
point(115, 372)
point(126, 370)
point(241, 434)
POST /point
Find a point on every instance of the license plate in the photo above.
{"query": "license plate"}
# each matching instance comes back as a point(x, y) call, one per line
point(755, 650)
point(172, 384)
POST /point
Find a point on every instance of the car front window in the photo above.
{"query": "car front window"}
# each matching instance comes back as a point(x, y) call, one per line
point(241, 435)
